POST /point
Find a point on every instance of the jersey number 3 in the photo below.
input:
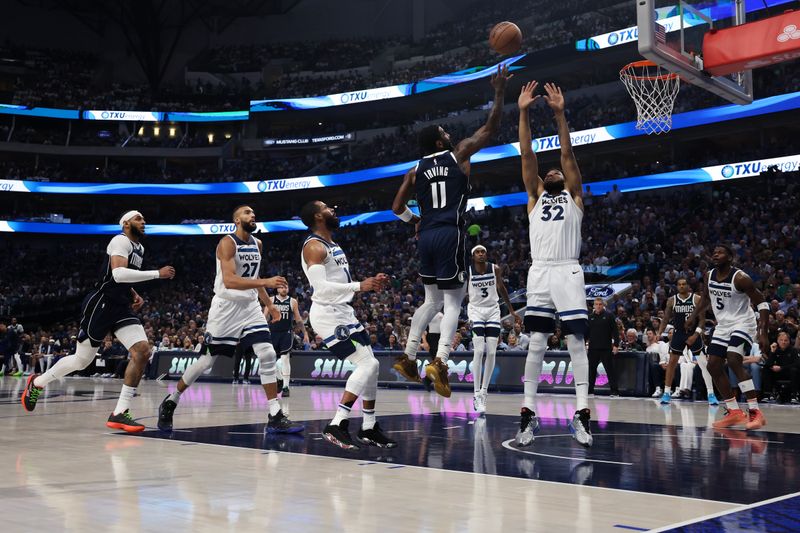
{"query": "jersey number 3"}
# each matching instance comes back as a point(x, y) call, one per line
point(552, 212)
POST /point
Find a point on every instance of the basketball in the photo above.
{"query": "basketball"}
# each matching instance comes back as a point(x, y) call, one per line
point(505, 38)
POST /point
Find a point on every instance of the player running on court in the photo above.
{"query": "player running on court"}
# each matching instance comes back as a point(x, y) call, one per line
point(333, 318)
point(235, 317)
point(108, 309)
point(730, 292)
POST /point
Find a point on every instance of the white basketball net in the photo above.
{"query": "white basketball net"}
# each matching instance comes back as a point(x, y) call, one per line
point(653, 91)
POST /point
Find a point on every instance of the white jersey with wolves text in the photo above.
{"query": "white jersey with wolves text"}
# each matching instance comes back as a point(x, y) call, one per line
point(730, 305)
point(337, 270)
point(555, 228)
point(483, 287)
point(247, 261)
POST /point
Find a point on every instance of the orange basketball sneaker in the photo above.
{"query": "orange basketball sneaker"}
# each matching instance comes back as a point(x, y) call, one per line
point(734, 417)
point(757, 420)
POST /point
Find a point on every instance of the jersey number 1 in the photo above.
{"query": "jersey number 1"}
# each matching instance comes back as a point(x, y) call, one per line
point(439, 194)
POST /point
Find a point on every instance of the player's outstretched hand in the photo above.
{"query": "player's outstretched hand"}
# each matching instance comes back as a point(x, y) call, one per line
point(526, 96)
point(275, 282)
point(166, 272)
point(500, 78)
point(554, 97)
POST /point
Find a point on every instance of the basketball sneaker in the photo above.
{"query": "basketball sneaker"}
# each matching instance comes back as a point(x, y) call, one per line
point(375, 437)
point(407, 368)
point(280, 423)
point(666, 398)
point(757, 420)
point(479, 403)
point(734, 417)
point(712, 399)
point(437, 370)
point(580, 427)
point(165, 411)
point(657, 393)
point(31, 394)
point(125, 422)
point(528, 428)
point(339, 435)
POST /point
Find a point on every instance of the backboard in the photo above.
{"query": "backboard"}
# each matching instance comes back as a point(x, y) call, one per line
point(671, 35)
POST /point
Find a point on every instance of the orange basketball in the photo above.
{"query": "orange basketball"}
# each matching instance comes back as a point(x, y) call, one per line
point(505, 38)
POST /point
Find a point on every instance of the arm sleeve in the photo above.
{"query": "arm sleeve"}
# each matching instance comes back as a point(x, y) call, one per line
point(129, 275)
point(323, 287)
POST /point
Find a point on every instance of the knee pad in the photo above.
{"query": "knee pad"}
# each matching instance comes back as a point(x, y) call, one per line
point(537, 345)
point(363, 381)
point(266, 362)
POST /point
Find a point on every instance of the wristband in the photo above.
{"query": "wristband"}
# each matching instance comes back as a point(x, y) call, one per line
point(763, 306)
point(355, 286)
point(406, 216)
point(699, 331)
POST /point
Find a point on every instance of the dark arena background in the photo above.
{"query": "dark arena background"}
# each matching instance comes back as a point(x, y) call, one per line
point(188, 127)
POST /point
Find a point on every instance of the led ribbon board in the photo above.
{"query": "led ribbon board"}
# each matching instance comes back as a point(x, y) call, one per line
point(773, 104)
point(379, 93)
point(641, 183)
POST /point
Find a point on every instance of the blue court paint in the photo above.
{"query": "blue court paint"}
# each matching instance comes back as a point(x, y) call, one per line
point(722, 465)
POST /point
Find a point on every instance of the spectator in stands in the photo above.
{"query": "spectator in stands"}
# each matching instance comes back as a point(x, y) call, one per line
point(658, 352)
point(789, 302)
point(632, 342)
point(782, 364)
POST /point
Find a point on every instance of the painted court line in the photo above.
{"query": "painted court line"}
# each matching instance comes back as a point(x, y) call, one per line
point(507, 445)
point(512, 478)
point(726, 512)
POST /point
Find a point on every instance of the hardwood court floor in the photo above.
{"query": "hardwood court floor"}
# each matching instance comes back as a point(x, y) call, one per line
point(650, 467)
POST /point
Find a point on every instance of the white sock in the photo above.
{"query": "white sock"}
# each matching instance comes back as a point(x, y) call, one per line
point(274, 407)
point(342, 413)
point(368, 422)
point(125, 397)
point(488, 369)
point(668, 389)
point(477, 362)
point(18, 359)
point(175, 396)
point(286, 370)
point(412, 347)
point(732, 404)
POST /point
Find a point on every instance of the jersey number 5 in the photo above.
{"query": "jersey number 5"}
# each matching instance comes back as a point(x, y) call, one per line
point(438, 194)
point(552, 212)
point(720, 305)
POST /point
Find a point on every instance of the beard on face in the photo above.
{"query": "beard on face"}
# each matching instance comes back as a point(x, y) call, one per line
point(249, 227)
point(136, 232)
point(331, 222)
point(554, 186)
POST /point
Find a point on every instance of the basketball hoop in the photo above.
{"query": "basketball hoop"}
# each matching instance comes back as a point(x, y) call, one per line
point(653, 90)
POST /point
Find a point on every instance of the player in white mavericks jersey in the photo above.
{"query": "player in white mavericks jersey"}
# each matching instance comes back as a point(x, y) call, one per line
point(555, 279)
point(235, 317)
point(485, 282)
point(332, 317)
point(730, 292)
